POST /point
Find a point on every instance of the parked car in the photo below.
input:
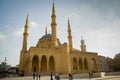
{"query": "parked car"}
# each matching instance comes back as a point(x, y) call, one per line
point(13, 72)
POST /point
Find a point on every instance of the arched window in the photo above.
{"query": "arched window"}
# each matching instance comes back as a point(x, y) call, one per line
point(93, 65)
point(51, 64)
point(74, 64)
point(85, 64)
point(80, 64)
point(44, 64)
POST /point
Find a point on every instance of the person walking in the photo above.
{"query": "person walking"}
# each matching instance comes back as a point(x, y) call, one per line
point(51, 77)
point(89, 74)
point(39, 76)
point(33, 76)
point(70, 77)
point(57, 77)
point(36, 76)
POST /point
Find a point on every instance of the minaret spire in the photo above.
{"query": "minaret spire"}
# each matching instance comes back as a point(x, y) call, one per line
point(46, 30)
point(25, 36)
point(83, 46)
point(53, 26)
point(69, 25)
point(53, 9)
point(26, 24)
point(69, 36)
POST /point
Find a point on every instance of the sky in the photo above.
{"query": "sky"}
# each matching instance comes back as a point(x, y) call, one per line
point(98, 21)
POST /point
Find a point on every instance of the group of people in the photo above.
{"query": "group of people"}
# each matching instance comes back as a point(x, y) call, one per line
point(36, 76)
point(90, 75)
point(57, 77)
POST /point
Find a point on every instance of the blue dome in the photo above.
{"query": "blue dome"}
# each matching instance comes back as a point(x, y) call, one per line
point(59, 44)
point(47, 35)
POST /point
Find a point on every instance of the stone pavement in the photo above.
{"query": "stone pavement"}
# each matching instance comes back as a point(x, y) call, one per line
point(48, 78)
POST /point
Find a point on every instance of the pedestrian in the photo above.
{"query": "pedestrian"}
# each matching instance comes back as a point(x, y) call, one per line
point(91, 75)
point(57, 77)
point(36, 76)
point(51, 77)
point(39, 76)
point(33, 76)
point(70, 77)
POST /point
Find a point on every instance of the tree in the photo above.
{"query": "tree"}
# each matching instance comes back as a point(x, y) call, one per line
point(116, 62)
point(110, 63)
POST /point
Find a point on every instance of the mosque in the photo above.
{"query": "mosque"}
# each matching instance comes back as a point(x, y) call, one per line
point(49, 55)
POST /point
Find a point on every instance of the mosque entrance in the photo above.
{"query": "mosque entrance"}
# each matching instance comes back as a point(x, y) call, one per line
point(35, 64)
point(34, 69)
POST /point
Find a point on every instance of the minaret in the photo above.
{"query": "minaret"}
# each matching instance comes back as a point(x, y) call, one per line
point(46, 30)
point(53, 26)
point(83, 46)
point(25, 36)
point(69, 37)
point(24, 48)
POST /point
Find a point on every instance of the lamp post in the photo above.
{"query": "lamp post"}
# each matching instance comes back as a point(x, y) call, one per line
point(5, 63)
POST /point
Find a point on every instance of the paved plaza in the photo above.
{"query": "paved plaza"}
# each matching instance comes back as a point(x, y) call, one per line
point(48, 78)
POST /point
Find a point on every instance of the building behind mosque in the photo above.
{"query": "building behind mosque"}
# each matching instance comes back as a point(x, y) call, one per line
point(49, 55)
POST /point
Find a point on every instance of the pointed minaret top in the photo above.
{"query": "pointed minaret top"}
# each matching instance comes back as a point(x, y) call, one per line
point(26, 24)
point(53, 9)
point(81, 37)
point(68, 24)
point(46, 30)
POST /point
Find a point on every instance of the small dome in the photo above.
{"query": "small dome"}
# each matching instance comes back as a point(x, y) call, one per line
point(59, 44)
point(47, 35)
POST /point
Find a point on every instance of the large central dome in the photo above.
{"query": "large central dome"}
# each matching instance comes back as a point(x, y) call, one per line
point(46, 41)
point(47, 35)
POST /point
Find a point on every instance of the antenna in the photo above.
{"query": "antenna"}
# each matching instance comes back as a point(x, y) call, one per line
point(5, 59)
point(81, 37)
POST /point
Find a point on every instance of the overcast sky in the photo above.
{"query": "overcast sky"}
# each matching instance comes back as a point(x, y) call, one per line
point(98, 21)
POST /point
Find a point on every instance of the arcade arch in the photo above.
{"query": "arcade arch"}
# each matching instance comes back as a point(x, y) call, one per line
point(43, 64)
point(74, 63)
point(85, 64)
point(51, 64)
point(35, 62)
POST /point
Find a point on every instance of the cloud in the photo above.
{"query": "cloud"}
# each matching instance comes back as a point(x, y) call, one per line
point(72, 16)
point(2, 36)
point(104, 41)
point(18, 32)
point(33, 24)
